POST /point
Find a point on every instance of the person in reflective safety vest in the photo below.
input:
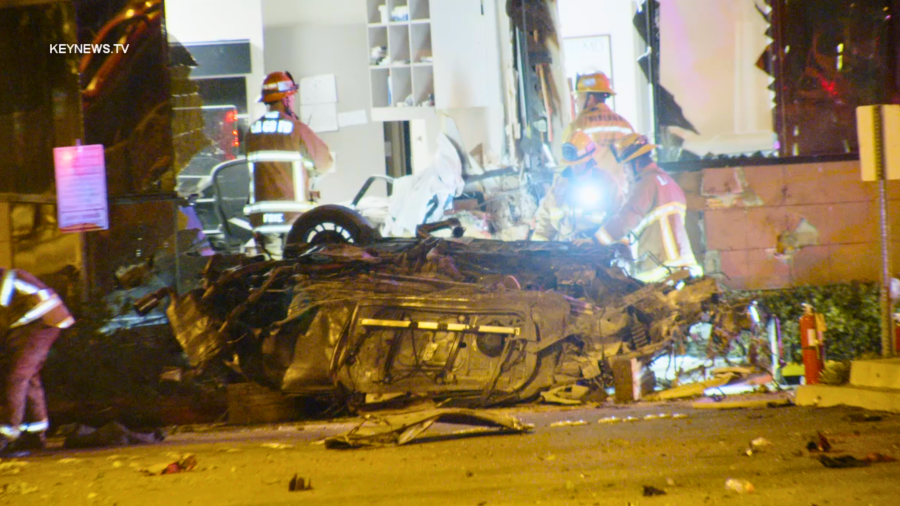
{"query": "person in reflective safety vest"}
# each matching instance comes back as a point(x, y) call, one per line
point(603, 125)
point(581, 198)
point(651, 221)
point(31, 318)
point(280, 133)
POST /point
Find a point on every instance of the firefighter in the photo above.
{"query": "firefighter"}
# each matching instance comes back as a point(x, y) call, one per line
point(31, 318)
point(604, 125)
point(581, 196)
point(280, 132)
point(651, 221)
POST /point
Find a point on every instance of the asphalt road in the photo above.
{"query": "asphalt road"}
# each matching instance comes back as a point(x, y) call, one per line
point(688, 458)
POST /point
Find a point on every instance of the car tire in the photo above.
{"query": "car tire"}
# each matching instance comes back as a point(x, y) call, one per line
point(331, 224)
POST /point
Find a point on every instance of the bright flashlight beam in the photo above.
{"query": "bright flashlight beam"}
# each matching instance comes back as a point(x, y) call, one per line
point(589, 195)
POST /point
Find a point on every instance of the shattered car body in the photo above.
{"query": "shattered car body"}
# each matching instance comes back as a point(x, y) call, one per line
point(474, 322)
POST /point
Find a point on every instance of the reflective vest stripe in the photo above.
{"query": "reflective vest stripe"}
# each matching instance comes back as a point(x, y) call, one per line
point(8, 287)
point(607, 129)
point(27, 288)
point(668, 238)
point(274, 156)
point(39, 426)
point(47, 305)
point(9, 431)
point(604, 237)
point(659, 213)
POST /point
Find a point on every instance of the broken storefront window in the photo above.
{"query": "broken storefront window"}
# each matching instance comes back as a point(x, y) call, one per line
point(770, 78)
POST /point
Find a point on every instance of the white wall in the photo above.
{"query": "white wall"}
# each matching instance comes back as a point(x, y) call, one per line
point(313, 12)
point(584, 18)
point(218, 20)
point(314, 49)
point(709, 50)
point(483, 126)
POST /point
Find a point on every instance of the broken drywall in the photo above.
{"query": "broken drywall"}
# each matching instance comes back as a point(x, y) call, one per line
point(724, 188)
point(790, 241)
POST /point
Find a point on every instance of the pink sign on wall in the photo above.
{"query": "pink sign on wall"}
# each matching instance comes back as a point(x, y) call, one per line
point(81, 188)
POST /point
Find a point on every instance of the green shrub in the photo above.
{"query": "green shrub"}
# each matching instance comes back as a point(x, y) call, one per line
point(852, 315)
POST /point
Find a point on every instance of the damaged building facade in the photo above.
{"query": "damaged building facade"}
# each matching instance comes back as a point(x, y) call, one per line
point(764, 146)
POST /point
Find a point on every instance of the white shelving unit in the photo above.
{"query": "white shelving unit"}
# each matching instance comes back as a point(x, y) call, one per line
point(401, 59)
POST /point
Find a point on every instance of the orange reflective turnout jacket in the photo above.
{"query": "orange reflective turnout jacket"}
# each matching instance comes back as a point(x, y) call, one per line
point(280, 135)
point(25, 299)
point(652, 222)
point(605, 127)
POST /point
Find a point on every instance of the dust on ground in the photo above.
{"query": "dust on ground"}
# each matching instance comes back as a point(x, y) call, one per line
point(689, 457)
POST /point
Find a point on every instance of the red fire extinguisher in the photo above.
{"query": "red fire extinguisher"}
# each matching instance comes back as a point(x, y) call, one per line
point(812, 325)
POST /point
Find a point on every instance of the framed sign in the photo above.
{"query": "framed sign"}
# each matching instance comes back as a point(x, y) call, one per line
point(81, 200)
point(586, 55)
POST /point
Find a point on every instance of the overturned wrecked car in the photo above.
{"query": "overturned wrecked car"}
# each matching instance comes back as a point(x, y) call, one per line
point(468, 322)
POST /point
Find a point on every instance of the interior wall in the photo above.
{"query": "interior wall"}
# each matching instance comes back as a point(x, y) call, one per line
point(708, 55)
point(484, 126)
point(585, 18)
point(218, 20)
point(314, 49)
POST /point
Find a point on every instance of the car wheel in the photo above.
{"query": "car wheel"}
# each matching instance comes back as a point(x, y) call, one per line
point(331, 224)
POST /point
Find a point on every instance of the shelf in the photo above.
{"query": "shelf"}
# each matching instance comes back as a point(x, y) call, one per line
point(406, 77)
point(420, 42)
point(380, 90)
point(401, 85)
point(423, 84)
point(419, 10)
point(373, 14)
point(398, 43)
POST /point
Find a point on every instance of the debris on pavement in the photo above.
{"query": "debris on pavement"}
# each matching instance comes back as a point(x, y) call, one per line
point(819, 444)
point(111, 434)
point(750, 404)
point(879, 457)
point(652, 491)
point(661, 416)
point(399, 429)
point(863, 417)
point(760, 442)
point(299, 484)
point(568, 423)
point(184, 464)
point(757, 446)
point(277, 446)
point(846, 461)
point(568, 395)
point(841, 462)
point(739, 486)
point(691, 390)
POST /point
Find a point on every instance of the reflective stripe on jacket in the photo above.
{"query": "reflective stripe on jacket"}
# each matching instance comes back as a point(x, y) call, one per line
point(605, 127)
point(278, 134)
point(653, 221)
point(25, 299)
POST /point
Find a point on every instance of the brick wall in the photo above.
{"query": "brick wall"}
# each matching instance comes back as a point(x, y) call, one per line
point(748, 224)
